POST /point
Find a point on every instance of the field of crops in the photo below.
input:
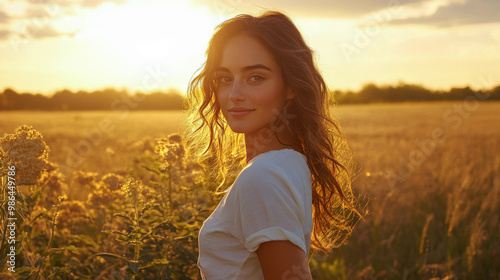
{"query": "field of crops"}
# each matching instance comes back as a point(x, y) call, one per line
point(106, 200)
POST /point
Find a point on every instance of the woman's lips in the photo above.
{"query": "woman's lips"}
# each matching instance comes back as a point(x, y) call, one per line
point(240, 113)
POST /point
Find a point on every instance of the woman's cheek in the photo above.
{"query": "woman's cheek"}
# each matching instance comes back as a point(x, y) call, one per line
point(269, 96)
point(221, 99)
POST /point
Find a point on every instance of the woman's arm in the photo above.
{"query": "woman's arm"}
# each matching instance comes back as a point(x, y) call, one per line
point(282, 260)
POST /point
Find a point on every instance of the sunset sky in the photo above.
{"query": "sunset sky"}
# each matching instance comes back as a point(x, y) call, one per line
point(145, 45)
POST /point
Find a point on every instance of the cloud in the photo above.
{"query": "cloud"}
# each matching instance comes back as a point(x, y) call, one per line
point(441, 13)
point(4, 18)
point(34, 24)
point(96, 3)
point(470, 12)
point(312, 8)
point(4, 34)
point(71, 3)
point(46, 31)
point(34, 32)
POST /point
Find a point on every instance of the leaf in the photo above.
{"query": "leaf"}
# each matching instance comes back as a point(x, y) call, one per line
point(52, 250)
point(85, 239)
point(115, 231)
point(124, 238)
point(166, 225)
point(72, 249)
point(156, 262)
point(110, 255)
point(123, 216)
point(25, 271)
point(19, 247)
point(182, 238)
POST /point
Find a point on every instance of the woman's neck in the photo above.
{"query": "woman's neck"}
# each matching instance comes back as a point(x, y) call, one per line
point(265, 142)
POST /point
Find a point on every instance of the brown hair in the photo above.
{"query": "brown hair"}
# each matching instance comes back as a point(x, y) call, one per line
point(321, 138)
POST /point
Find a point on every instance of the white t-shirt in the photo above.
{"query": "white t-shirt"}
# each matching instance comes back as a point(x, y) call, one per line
point(270, 200)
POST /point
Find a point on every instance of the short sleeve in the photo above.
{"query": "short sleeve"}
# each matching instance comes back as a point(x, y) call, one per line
point(270, 208)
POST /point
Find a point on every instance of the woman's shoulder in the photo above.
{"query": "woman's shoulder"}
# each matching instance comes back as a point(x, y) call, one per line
point(277, 160)
point(285, 165)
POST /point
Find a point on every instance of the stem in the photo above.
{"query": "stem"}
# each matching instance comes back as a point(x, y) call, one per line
point(169, 190)
point(52, 231)
point(136, 247)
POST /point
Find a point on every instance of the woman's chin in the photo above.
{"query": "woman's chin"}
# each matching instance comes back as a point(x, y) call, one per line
point(238, 130)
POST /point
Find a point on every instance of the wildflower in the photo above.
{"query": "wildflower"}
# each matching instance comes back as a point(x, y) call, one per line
point(52, 183)
point(112, 181)
point(84, 178)
point(133, 190)
point(103, 198)
point(171, 150)
point(71, 211)
point(143, 145)
point(26, 150)
point(175, 138)
point(194, 173)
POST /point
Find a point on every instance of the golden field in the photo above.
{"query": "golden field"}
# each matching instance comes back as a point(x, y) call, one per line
point(131, 206)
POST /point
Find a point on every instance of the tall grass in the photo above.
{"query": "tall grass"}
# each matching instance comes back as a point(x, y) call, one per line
point(433, 212)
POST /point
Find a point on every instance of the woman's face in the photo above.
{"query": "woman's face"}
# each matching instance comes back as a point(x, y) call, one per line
point(250, 90)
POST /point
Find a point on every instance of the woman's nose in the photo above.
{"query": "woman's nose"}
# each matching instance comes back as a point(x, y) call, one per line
point(236, 93)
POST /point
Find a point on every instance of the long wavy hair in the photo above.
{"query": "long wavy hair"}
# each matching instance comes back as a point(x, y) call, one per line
point(208, 137)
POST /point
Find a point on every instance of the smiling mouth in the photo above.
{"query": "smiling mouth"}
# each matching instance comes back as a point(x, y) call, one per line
point(240, 113)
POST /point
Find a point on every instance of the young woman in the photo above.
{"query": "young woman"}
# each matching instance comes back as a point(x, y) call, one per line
point(260, 103)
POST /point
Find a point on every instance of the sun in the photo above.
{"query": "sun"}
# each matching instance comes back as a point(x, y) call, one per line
point(139, 35)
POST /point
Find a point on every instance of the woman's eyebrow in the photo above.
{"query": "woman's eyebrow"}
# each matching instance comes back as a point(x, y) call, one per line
point(246, 68)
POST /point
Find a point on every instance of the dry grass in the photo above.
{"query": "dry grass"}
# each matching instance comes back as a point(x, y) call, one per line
point(430, 171)
point(434, 202)
point(96, 141)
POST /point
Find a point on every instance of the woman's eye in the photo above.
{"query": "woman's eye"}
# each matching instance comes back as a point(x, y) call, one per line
point(256, 78)
point(224, 79)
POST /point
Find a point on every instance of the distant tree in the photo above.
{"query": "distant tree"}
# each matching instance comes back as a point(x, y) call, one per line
point(495, 93)
point(10, 99)
point(62, 100)
point(171, 100)
point(406, 92)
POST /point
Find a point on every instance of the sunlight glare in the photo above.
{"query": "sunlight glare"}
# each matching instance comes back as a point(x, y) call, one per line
point(138, 35)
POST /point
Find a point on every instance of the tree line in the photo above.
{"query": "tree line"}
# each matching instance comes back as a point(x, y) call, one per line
point(106, 99)
point(112, 99)
point(372, 93)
